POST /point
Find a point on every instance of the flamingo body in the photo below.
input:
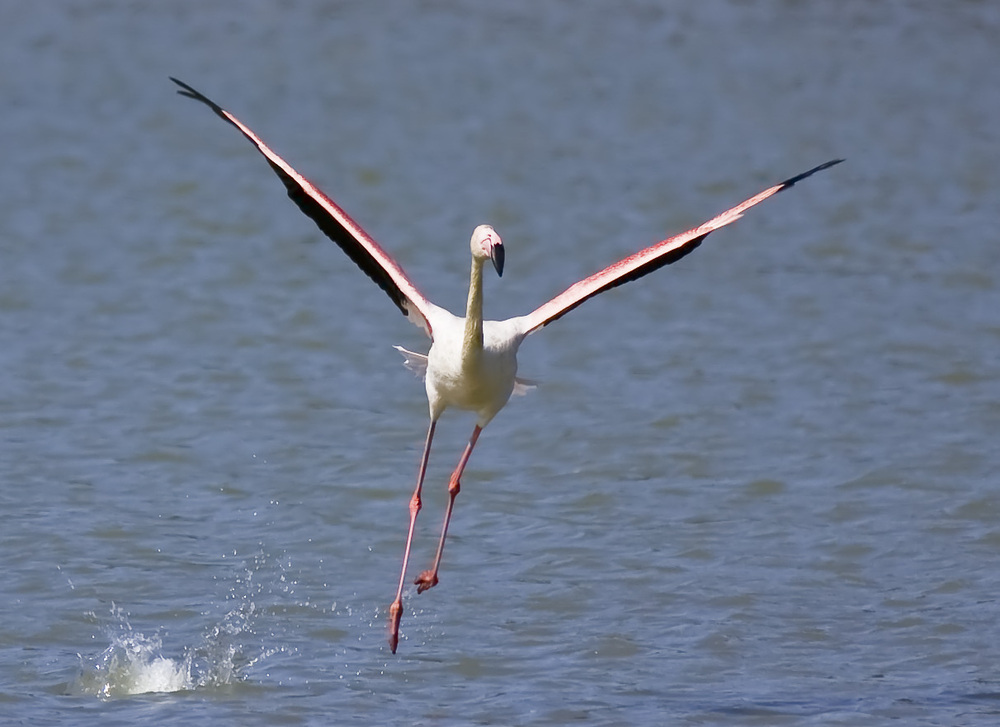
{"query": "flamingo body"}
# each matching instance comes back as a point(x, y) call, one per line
point(482, 383)
point(472, 363)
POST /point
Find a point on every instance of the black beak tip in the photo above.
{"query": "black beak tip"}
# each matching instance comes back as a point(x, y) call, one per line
point(497, 258)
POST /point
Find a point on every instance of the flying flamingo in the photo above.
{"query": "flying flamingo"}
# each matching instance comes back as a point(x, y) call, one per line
point(472, 363)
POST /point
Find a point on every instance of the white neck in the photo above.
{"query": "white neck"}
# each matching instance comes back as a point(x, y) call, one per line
point(472, 344)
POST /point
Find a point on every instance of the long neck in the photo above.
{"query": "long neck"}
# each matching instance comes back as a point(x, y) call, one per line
point(472, 343)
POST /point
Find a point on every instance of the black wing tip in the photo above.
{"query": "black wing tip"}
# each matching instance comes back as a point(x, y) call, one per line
point(186, 90)
point(798, 178)
point(191, 92)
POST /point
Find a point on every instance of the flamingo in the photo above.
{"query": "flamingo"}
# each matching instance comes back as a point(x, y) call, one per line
point(472, 363)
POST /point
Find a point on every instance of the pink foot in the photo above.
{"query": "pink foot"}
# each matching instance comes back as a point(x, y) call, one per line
point(427, 579)
point(395, 614)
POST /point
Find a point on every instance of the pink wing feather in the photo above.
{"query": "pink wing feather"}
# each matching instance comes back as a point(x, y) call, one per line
point(652, 258)
point(336, 224)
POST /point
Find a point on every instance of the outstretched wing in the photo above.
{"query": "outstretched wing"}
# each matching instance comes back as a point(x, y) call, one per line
point(652, 258)
point(335, 224)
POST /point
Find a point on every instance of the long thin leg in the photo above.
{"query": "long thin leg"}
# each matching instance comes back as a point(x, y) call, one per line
point(396, 609)
point(429, 578)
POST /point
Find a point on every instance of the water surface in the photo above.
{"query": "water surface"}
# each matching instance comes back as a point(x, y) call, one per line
point(757, 487)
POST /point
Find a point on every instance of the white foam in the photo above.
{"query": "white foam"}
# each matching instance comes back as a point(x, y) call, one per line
point(134, 663)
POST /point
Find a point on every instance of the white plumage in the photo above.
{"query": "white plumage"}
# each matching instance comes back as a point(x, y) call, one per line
point(472, 363)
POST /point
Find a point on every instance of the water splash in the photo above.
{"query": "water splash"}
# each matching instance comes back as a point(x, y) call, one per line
point(134, 663)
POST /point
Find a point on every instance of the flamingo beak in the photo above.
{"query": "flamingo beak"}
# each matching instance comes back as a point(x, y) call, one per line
point(496, 255)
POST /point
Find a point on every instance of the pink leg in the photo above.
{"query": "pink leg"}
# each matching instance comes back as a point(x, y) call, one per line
point(396, 609)
point(429, 578)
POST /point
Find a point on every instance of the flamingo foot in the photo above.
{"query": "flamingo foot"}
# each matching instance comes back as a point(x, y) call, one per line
point(427, 579)
point(395, 614)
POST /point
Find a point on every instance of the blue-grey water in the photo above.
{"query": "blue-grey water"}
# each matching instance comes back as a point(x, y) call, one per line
point(759, 487)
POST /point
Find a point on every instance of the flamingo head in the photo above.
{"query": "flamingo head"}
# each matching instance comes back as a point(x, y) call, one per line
point(487, 245)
